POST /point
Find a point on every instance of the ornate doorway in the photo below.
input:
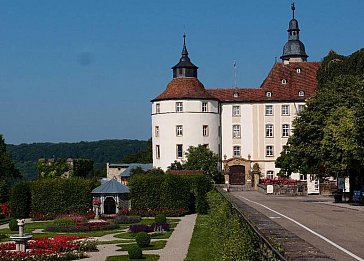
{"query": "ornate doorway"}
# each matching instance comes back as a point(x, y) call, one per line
point(109, 206)
point(237, 175)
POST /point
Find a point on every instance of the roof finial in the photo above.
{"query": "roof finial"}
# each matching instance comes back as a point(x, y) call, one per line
point(293, 8)
point(184, 50)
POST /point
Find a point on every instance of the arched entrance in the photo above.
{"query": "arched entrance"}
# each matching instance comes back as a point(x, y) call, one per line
point(109, 206)
point(237, 175)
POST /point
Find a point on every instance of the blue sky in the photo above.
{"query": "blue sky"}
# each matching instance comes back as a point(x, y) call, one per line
point(87, 69)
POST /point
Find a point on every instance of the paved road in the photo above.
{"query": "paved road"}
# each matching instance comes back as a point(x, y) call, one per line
point(343, 226)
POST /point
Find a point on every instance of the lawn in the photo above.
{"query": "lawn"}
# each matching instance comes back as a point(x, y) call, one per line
point(200, 247)
point(153, 246)
point(126, 258)
point(129, 235)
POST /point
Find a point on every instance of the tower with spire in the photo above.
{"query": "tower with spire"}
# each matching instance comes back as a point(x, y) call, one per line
point(294, 49)
point(185, 68)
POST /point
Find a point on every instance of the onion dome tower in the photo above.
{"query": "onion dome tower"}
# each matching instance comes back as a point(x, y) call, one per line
point(294, 49)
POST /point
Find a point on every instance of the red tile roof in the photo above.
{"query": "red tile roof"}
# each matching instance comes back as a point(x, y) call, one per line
point(295, 82)
point(305, 80)
point(185, 88)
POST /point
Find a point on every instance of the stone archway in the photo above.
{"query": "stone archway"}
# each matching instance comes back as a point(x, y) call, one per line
point(109, 206)
point(237, 171)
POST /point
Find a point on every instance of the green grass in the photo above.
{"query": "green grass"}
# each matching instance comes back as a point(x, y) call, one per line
point(153, 246)
point(200, 247)
point(116, 241)
point(129, 235)
point(126, 258)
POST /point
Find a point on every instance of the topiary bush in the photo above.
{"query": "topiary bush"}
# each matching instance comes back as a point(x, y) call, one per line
point(13, 225)
point(135, 252)
point(142, 239)
point(161, 218)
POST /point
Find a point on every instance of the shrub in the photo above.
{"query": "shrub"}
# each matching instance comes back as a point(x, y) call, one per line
point(20, 199)
point(60, 196)
point(135, 252)
point(161, 218)
point(142, 239)
point(13, 225)
point(91, 226)
point(127, 219)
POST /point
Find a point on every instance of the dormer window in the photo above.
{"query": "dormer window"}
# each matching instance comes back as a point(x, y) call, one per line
point(301, 93)
point(298, 70)
point(268, 94)
point(284, 81)
point(236, 94)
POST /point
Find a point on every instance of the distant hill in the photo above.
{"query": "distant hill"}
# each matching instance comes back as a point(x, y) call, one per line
point(25, 156)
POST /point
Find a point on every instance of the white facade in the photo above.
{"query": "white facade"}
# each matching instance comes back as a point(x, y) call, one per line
point(174, 131)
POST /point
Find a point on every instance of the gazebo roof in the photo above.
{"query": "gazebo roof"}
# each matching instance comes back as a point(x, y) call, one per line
point(111, 187)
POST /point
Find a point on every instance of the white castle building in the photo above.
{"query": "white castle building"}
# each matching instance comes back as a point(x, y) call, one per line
point(242, 125)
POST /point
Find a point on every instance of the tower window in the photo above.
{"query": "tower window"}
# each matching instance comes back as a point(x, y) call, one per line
point(157, 152)
point(156, 134)
point(179, 130)
point(236, 94)
point(157, 108)
point(205, 130)
point(179, 148)
point(179, 107)
point(268, 94)
point(204, 107)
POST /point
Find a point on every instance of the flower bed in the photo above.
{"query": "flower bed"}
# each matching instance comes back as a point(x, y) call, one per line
point(153, 212)
point(49, 249)
point(277, 181)
point(152, 228)
point(82, 227)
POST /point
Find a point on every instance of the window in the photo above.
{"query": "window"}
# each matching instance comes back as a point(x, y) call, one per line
point(156, 132)
point(301, 93)
point(269, 151)
point(303, 177)
point(157, 108)
point(268, 109)
point(270, 174)
point(205, 130)
point(285, 130)
point(236, 94)
point(179, 151)
point(236, 131)
point(285, 110)
point(301, 108)
point(268, 94)
point(298, 70)
point(269, 130)
point(284, 81)
point(236, 110)
point(179, 130)
point(204, 107)
point(236, 151)
point(179, 107)
point(157, 152)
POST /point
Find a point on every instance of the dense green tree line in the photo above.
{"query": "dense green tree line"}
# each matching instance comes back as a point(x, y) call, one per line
point(328, 135)
point(26, 156)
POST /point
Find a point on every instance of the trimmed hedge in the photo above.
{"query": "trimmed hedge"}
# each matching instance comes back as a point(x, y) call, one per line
point(20, 199)
point(61, 196)
point(185, 193)
point(233, 237)
point(142, 239)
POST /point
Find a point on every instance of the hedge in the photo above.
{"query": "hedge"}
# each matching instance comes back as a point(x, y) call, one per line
point(20, 198)
point(233, 238)
point(185, 193)
point(61, 196)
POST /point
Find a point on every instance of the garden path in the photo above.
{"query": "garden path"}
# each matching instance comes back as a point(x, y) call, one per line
point(176, 248)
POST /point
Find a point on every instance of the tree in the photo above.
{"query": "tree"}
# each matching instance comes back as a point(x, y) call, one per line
point(327, 137)
point(7, 167)
point(202, 158)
